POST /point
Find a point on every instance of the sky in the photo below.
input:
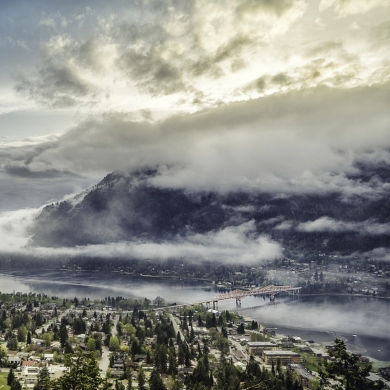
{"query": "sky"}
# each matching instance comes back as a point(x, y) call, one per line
point(285, 96)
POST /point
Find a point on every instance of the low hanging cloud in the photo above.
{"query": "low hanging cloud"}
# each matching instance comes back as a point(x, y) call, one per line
point(326, 224)
point(229, 245)
point(14, 227)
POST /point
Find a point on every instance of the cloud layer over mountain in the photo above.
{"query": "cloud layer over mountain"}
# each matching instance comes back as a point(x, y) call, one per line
point(283, 97)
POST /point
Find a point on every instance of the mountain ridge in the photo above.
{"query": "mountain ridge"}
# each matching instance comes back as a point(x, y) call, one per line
point(128, 207)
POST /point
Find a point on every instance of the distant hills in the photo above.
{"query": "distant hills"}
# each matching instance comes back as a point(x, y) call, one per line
point(126, 207)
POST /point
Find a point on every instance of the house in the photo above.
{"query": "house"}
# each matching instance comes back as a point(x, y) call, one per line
point(13, 359)
point(28, 376)
point(239, 356)
point(48, 357)
point(28, 363)
point(270, 331)
point(284, 357)
point(257, 347)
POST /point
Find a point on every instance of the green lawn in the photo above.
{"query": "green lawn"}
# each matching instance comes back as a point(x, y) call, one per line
point(3, 381)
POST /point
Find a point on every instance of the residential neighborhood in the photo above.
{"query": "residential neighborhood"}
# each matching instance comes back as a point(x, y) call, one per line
point(139, 341)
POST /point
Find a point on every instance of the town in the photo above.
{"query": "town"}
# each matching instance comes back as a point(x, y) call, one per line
point(46, 342)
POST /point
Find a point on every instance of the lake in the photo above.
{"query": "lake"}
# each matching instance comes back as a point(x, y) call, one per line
point(320, 318)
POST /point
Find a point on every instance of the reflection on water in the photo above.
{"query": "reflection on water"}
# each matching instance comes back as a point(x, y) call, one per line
point(317, 318)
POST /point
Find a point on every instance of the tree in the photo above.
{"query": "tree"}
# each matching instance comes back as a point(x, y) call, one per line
point(22, 332)
point(181, 355)
point(83, 374)
point(91, 344)
point(241, 329)
point(114, 343)
point(172, 365)
point(63, 334)
point(47, 338)
point(3, 356)
point(344, 369)
point(141, 379)
point(15, 385)
point(155, 381)
point(29, 338)
point(38, 319)
point(10, 377)
point(12, 344)
point(43, 380)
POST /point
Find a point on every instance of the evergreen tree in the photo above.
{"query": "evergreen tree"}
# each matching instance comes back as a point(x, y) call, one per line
point(63, 334)
point(148, 358)
point(141, 379)
point(10, 377)
point(241, 329)
point(83, 373)
point(38, 319)
point(172, 365)
point(181, 355)
point(187, 356)
point(15, 385)
point(155, 381)
point(43, 380)
point(345, 369)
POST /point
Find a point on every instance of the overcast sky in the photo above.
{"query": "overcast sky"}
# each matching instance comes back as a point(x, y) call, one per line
point(279, 95)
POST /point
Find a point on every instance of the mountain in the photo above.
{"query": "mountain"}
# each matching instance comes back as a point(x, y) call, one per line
point(128, 207)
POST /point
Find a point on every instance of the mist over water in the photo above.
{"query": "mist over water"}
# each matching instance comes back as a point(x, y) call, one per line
point(320, 318)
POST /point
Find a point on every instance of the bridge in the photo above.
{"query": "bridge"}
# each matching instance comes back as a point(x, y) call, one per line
point(238, 295)
point(269, 290)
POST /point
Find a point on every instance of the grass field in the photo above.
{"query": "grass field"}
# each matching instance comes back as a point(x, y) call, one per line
point(3, 381)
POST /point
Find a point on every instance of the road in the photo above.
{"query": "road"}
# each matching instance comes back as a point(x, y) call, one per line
point(176, 326)
point(104, 362)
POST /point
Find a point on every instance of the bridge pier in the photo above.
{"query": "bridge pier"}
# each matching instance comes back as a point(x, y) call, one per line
point(215, 305)
point(238, 302)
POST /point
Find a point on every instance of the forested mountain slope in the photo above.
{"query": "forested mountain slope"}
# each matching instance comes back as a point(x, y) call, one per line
point(126, 207)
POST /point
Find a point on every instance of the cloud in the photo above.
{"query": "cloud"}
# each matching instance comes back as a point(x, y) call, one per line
point(382, 254)
point(234, 244)
point(38, 171)
point(326, 224)
point(347, 317)
point(231, 245)
point(14, 227)
point(68, 73)
point(327, 64)
point(306, 142)
point(172, 48)
point(27, 180)
point(285, 225)
point(347, 7)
